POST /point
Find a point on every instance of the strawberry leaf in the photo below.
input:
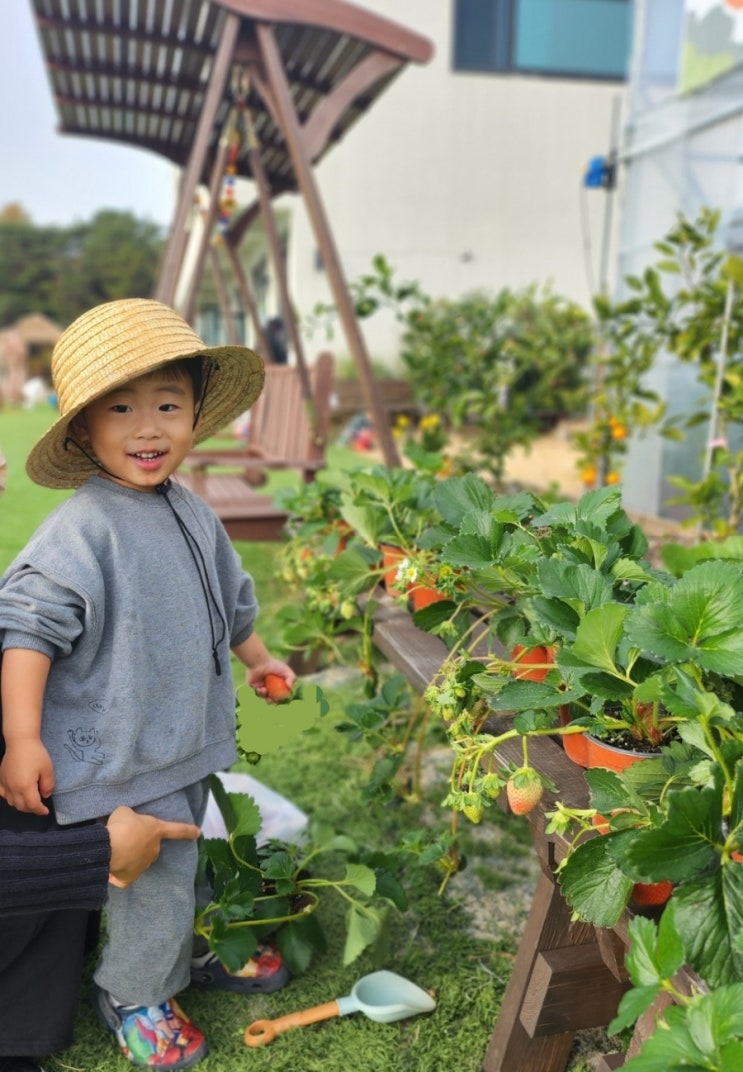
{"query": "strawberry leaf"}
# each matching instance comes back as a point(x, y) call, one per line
point(362, 878)
point(234, 944)
point(597, 637)
point(299, 940)
point(580, 586)
point(363, 929)
point(458, 496)
point(699, 620)
point(592, 883)
point(708, 914)
point(687, 844)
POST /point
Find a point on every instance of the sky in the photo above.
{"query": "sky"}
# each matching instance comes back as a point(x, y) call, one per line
point(63, 179)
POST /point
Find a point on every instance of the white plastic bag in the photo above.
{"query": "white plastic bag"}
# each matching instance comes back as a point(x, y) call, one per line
point(281, 819)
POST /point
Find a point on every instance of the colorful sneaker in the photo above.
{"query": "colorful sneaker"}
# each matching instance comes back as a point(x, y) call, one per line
point(153, 1036)
point(264, 973)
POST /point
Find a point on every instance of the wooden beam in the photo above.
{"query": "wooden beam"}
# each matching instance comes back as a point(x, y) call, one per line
point(223, 297)
point(319, 127)
point(246, 294)
point(341, 17)
point(274, 245)
point(570, 989)
point(306, 181)
point(170, 266)
point(210, 220)
point(245, 220)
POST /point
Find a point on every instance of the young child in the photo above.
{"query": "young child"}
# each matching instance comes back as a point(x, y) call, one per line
point(117, 622)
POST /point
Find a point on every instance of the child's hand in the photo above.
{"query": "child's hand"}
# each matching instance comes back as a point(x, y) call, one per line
point(273, 680)
point(26, 775)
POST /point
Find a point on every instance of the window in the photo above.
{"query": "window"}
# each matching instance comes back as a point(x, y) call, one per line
point(578, 38)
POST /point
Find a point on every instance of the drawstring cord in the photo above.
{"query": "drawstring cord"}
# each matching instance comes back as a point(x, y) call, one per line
point(206, 588)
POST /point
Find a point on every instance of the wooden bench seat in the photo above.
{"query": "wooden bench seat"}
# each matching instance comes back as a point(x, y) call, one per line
point(246, 514)
point(396, 396)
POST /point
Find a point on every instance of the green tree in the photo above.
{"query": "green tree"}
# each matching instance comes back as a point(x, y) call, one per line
point(29, 265)
point(64, 271)
point(114, 256)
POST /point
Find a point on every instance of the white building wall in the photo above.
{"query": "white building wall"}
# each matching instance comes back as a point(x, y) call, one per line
point(463, 181)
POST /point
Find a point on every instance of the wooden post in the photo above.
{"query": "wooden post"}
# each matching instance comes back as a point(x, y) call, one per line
point(306, 181)
point(170, 265)
point(210, 219)
point(223, 297)
point(261, 343)
point(511, 1047)
point(274, 245)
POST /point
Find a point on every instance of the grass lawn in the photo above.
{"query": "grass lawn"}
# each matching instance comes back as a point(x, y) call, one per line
point(459, 948)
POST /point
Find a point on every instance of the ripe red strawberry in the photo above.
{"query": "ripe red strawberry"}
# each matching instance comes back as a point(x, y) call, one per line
point(651, 893)
point(277, 688)
point(524, 790)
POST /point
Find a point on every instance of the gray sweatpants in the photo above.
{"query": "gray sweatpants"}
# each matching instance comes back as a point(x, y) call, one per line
point(147, 955)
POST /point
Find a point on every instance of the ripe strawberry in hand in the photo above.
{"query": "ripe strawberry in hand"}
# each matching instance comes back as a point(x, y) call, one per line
point(277, 688)
point(524, 790)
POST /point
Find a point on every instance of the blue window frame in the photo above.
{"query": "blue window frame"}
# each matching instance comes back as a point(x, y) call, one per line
point(568, 38)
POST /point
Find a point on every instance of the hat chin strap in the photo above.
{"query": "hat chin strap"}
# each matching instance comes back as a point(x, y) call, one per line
point(93, 461)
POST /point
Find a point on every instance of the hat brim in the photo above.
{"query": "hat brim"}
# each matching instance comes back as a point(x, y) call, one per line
point(235, 381)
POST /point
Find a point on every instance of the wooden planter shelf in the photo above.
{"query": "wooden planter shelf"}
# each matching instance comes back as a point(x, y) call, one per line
point(567, 976)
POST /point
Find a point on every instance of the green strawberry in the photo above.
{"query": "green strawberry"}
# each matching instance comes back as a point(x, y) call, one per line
point(474, 812)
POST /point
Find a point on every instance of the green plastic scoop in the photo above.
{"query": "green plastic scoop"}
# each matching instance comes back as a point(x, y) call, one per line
point(383, 996)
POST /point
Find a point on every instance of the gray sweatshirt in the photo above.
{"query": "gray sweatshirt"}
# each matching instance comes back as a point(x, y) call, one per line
point(108, 589)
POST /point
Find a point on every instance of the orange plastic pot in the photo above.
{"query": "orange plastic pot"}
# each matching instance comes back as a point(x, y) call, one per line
point(423, 595)
point(391, 559)
point(644, 894)
point(533, 662)
point(588, 751)
point(345, 532)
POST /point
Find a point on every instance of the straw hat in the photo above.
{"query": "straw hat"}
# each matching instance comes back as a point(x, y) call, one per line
point(114, 343)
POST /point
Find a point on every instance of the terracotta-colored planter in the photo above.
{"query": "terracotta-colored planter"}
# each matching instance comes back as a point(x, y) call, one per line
point(345, 532)
point(574, 744)
point(644, 894)
point(589, 752)
point(533, 661)
point(423, 595)
point(391, 559)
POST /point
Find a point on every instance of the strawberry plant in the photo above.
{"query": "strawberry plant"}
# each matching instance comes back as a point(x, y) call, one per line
point(257, 890)
point(701, 1030)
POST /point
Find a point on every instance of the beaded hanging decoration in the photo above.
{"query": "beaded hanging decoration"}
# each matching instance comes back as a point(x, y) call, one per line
point(235, 135)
